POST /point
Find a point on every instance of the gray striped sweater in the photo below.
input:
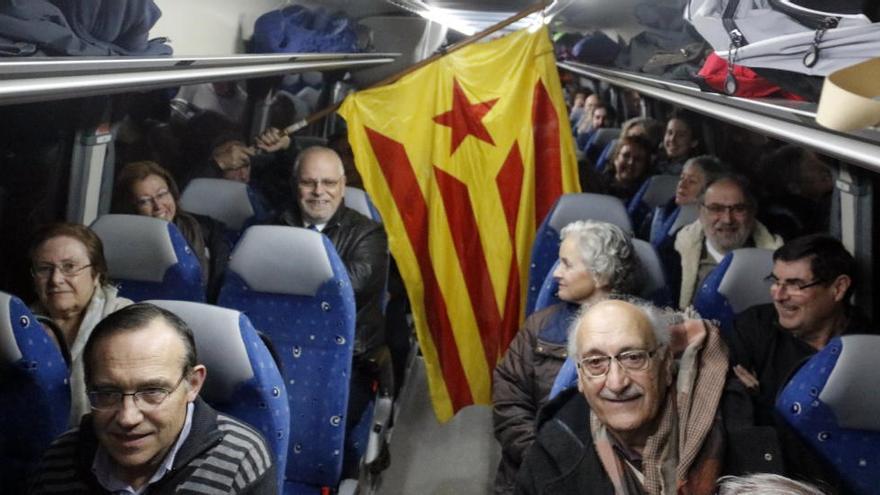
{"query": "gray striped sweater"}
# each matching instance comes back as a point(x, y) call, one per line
point(221, 455)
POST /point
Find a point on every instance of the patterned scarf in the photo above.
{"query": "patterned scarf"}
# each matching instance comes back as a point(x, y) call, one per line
point(684, 454)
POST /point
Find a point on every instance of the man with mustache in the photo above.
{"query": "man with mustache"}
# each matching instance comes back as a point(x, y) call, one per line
point(636, 424)
point(149, 432)
point(812, 280)
point(726, 222)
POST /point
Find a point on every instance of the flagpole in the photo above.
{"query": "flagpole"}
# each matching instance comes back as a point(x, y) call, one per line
point(394, 77)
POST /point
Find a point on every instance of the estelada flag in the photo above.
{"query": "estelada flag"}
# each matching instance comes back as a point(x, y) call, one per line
point(464, 158)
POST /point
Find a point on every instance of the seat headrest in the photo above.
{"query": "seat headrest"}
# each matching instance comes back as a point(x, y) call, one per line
point(137, 247)
point(9, 351)
point(659, 190)
point(582, 206)
point(687, 214)
point(851, 389)
point(228, 201)
point(219, 345)
point(653, 269)
point(605, 135)
point(357, 200)
point(282, 260)
point(743, 284)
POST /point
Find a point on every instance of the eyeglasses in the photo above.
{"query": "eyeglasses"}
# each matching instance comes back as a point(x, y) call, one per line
point(147, 201)
point(598, 366)
point(145, 400)
point(67, 269)
point(719, 209)
point(313, 183)
point(792, 286)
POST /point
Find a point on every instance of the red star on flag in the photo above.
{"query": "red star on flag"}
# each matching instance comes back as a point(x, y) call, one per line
point(465, 118)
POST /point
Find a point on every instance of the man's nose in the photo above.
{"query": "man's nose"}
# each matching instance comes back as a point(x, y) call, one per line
point(128, 414)
point(617, 380)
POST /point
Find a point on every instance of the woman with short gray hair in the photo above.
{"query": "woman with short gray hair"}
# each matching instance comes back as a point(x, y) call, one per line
point(596, 261)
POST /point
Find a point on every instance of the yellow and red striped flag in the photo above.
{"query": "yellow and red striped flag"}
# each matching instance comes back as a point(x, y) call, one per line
point(463, 158)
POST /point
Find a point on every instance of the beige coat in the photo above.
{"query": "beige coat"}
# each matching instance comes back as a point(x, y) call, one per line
point(689, 244)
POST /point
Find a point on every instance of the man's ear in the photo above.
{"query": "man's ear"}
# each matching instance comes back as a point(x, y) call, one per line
point(195, 380)
point(840, 285)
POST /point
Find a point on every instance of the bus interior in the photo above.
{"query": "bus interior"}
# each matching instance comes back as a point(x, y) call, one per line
point(72, 122)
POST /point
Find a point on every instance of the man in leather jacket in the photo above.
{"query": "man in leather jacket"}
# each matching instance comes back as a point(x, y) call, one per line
point(318, 183)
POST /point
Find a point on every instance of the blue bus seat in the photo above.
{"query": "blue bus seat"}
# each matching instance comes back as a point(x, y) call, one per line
point(233, 203)
point(602, 162)
point(664, 230)
point(34, 392)
point(833, 404)
point(737, 283)
point(598, 141)
point(148, 258)
point(243, 380)
point(657, 190)
point(295, 289)
point(358, 200)
point(568, 208)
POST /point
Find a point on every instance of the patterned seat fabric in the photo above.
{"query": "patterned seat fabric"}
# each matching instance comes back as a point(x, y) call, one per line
point(34, 392)
point(833, 404)
point(148, 258)
point(737, 283)
point(243, 380)
point(295, 289)
point(568, 208)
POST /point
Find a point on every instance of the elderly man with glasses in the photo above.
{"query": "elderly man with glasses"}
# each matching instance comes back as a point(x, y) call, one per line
point(727, 222)
point(318, 183)
point(643, 417)
point(812, 280)
point(149, 432)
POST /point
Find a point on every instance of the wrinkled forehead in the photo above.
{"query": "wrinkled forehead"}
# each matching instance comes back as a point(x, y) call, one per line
point(613, 327)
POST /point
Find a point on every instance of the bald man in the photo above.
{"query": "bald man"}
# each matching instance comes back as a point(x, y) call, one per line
point(318, 183)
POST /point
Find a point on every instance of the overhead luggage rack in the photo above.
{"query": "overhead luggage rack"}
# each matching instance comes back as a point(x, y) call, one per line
point(790, 121)
point(50, 78)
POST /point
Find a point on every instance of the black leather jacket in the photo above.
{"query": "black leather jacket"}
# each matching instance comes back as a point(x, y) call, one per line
point(363, 247)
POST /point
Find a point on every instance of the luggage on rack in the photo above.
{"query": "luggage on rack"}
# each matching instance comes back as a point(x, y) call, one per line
point(81, 28)
point(786, 34)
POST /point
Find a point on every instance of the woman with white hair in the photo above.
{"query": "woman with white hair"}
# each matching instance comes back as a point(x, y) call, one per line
point(596, 260)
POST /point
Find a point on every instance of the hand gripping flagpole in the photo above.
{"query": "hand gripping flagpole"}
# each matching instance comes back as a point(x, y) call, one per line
point(320, 114)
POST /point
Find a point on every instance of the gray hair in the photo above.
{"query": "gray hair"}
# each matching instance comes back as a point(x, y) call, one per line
point(314, 150)
point(659, 318)
point(606, 251)
point(712, 167)
point(764, 484)
point(739, 181)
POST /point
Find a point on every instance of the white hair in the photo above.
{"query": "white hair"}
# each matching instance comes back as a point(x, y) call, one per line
point(660, 320)
point(765, 484)
point(607, 252)
point(313, 150)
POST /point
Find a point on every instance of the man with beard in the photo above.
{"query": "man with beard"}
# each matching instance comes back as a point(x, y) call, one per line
point(812, 280)
point(639, 422)
point(726, 222)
